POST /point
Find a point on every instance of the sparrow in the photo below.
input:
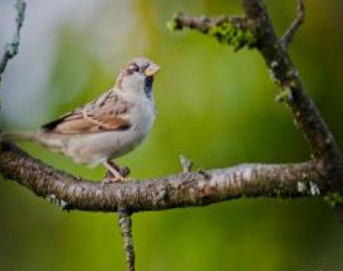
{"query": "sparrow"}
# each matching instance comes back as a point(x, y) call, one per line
point(107, 127)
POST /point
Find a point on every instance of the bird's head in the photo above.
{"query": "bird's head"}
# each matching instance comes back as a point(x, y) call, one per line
point(137, 76)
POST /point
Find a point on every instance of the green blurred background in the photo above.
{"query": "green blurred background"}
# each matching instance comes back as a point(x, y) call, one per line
point(214, 106)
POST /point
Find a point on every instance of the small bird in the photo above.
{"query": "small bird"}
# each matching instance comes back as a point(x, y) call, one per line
point(107, 127)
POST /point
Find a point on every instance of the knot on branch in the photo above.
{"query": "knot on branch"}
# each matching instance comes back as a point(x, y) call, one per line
point(59, 202)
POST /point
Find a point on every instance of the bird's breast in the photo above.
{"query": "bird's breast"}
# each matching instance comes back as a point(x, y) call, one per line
point(143, 116)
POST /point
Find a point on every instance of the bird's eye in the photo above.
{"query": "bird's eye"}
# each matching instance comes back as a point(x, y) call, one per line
point(134, 68)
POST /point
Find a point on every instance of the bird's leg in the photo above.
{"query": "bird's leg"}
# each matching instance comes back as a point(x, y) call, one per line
point(114, 174)
point(117, 174)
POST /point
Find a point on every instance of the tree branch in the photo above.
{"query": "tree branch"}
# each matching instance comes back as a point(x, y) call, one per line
point(231, 30)
point(322, 174)
point(180, 190)
point(125, 223)
point(12, 48)
point(307, 118)
point(288, 36)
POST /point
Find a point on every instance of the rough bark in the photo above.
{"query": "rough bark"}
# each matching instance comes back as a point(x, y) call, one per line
point(323, 147)
point(181, 190)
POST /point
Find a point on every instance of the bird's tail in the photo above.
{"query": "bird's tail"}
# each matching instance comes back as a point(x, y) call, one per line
point(24, 136)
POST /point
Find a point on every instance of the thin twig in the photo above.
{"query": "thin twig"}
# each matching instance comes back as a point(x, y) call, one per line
point(12, 47)
point(125, 224)
point(186, 164)
point(297, 22)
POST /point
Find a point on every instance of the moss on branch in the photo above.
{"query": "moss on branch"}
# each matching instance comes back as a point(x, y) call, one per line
point(227, 30)
point(227, 33)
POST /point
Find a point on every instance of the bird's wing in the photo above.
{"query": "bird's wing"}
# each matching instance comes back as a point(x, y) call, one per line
point(108, 113)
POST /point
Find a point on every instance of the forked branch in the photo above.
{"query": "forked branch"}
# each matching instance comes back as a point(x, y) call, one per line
point(307, 118)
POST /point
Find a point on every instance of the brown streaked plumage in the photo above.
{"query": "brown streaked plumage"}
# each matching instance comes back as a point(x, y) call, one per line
point(105, 114)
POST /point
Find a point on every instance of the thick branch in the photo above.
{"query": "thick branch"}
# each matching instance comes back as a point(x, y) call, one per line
point(306, 116)
point(323, 174)
point(180, 190)
point(12, 47)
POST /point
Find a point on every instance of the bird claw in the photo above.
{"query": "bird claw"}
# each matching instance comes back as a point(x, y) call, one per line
point(115, 173)
point(113, 179)
point(120, 177)
point(124, 171)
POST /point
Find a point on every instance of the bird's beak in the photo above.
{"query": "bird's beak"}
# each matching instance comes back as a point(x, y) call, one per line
point(152, 70)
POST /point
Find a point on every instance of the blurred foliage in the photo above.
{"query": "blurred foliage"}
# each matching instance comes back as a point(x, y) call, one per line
point(217, 108)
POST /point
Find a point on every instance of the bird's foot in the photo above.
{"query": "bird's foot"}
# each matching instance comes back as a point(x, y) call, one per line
point(109, 178)
point(115, 173)
point(124, 171)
